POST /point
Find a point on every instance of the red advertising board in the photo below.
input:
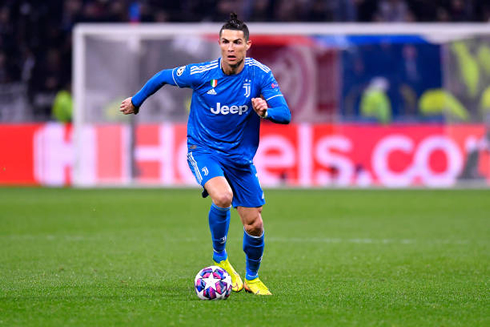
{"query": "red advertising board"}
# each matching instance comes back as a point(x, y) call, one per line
point(303, 155)
point(16, 154)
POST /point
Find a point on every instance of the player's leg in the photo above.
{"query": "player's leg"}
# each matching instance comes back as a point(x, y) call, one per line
point(253, 239)
point(253, 246)
point(209, 174)
point(248, 198)
point(219, 214)
point(219, 221)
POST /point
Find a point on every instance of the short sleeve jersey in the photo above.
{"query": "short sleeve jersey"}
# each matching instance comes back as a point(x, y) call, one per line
point(221, 118)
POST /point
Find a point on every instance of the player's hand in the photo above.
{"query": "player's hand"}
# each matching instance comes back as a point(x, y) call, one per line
point(127, 107)
point(260, 106)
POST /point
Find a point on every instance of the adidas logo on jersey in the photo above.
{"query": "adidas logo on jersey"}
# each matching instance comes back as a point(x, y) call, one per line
point(225, 110)
point(212, 92)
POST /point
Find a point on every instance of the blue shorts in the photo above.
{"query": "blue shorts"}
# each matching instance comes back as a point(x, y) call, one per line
point(242, 178)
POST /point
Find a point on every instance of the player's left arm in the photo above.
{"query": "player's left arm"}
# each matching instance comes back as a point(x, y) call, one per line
point(275, 110)
point(273, 106)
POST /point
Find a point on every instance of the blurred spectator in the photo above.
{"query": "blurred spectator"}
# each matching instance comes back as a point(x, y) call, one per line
point(118, 11)
point(482, 11)
point(46, 81)
point(424, 11)
point(168, 11)
point(411, 78)
point(319, 11)
point(345, 10)
point(460, 11)
point(287, 11)
point(366, 10)
point(224, 7)
point(259, 10)
point(6, 71)
point(375, 102)
point(27, 61)
point(72, 11)
point(442, 15)
point(63, 106)
point(393, 11)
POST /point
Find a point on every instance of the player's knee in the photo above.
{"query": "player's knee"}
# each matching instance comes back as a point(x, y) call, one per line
point(255, 227)
point(223, 199)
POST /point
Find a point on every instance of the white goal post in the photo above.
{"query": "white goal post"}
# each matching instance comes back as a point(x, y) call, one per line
point(112, 61)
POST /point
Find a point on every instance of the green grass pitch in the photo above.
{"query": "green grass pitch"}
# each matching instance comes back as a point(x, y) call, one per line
point(128, 257)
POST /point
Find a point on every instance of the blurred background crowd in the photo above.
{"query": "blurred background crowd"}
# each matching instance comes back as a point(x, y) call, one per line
point(36, 36)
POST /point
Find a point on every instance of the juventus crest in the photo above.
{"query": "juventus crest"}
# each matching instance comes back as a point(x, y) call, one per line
point(247, 86)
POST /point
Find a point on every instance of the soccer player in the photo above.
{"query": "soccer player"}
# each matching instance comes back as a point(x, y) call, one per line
point(230, 97)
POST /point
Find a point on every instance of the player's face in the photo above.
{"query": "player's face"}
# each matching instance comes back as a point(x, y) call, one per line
point(233, 50)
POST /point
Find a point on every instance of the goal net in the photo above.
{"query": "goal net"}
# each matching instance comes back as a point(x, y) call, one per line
point(398, 105)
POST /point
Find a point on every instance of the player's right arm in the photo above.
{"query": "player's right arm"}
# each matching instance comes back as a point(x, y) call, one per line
point(127, 107)
point(177, 77)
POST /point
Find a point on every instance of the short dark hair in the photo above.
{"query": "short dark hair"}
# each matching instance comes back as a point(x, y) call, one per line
point(236, 25)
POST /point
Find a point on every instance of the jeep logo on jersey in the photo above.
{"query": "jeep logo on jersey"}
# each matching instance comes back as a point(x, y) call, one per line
point(225, 110)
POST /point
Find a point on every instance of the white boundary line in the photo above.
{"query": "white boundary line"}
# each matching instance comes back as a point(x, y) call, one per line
point(328, 240)
point(362, 240)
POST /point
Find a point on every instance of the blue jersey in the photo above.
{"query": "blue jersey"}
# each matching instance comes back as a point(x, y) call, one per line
point(222, 119)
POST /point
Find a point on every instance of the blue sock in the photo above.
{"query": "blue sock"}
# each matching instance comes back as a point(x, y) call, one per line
point(253, 246)
point(219, 222)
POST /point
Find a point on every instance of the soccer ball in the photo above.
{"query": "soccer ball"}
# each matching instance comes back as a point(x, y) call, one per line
point(212, 283)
